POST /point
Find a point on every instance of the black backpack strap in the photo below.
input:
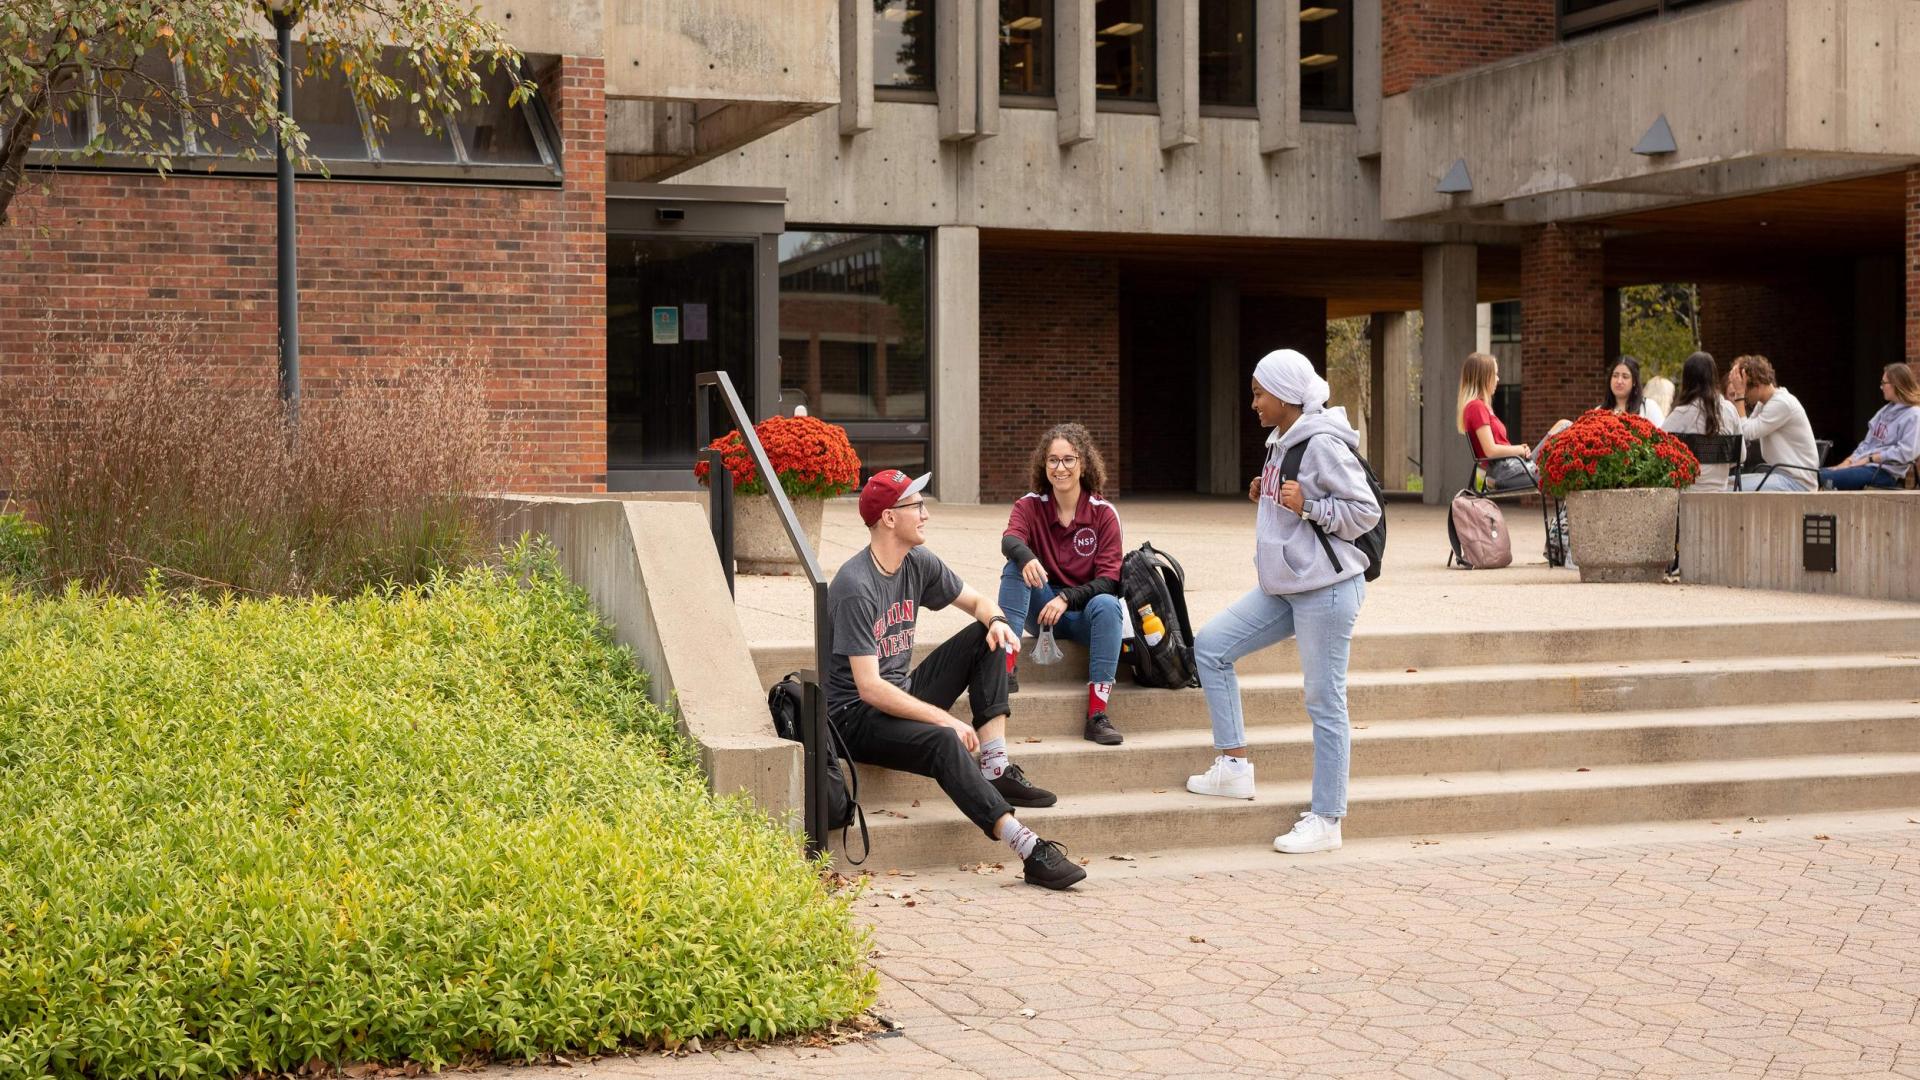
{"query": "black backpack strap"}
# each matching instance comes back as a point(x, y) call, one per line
point(1290, 470)
point(838, 747)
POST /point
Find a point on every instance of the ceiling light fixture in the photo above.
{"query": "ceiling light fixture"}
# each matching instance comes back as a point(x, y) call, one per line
point(1315, 14)
point(1124, 29)
point(1318, 60)
point(1027, 22)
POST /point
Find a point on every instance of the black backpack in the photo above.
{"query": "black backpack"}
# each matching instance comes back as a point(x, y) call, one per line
point(1152, 580)
point(785, 702)
point(1373, 542)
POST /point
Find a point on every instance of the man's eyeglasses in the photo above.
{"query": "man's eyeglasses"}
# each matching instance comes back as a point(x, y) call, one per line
point(1055, 464)
point(919, 505)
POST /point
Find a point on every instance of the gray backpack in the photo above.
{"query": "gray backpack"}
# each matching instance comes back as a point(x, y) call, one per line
point(1478, 533)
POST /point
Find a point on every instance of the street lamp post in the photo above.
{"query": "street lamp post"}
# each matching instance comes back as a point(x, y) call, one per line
point(284, 16)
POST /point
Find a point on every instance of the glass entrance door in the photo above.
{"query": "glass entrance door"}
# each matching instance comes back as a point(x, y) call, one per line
point(676, 306)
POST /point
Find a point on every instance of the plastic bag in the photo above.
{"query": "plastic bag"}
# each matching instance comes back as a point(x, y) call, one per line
point(1046, 650)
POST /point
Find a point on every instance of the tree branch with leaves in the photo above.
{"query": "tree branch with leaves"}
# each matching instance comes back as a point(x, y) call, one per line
point(159, 79)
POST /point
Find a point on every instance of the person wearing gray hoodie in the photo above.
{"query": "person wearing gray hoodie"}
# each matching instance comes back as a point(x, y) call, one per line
point(1308, 590)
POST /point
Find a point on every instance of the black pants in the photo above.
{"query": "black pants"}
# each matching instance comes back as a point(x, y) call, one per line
point(962, 663)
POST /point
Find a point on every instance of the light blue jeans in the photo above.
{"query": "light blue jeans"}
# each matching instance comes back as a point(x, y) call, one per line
point(1322, 621)
point(1097, 626)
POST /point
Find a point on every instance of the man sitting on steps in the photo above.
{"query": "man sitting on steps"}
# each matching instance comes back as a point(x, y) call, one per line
point(899, 720)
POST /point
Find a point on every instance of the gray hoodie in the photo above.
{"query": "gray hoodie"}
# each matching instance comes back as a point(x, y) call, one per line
point(1287, 552)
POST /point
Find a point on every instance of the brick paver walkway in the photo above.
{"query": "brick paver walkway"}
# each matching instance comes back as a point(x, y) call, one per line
point(1722, 955)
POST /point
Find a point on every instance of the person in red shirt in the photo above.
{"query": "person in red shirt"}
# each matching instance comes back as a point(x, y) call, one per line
point(1063, 563)
point(1505, 466)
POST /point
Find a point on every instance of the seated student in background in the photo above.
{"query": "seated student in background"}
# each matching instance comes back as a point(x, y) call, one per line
point(1063, 554)
point(1893, 438)
point(1770, 413)
point(1625, 394)
point(1506, 466)
point(1701, 410)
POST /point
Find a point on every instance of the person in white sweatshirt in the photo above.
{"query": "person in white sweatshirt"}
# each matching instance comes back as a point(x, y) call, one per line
point(1311, 587)
point(1771, 414)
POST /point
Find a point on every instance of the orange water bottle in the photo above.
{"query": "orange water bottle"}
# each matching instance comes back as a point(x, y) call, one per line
point(1150, 625)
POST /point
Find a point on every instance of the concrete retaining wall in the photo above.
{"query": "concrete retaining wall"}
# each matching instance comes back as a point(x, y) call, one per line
point(651, 570)
point(1753, 541)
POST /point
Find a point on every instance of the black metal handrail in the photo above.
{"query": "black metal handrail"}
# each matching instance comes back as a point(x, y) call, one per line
point(720, 516)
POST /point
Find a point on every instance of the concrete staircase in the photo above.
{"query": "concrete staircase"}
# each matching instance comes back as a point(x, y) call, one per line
point(1466, 732)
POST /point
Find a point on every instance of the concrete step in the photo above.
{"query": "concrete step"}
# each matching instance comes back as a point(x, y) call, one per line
point(1056, 711)
point(1072, 766)
point(1150, 819)
point(1397, 650)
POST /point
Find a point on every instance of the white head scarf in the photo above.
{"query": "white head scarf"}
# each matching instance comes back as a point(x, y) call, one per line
point(1290, 377)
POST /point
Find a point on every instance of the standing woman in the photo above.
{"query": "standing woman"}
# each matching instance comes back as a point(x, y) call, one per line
point(1311, 587)
point(1625, 394)
point(1893, 438)
point(1063, 563)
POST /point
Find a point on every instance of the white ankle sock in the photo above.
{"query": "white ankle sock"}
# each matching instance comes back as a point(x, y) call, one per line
point(993, 758)
point(1018, 837)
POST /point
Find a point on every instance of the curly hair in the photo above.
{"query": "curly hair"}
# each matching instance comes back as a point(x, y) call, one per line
point(1093, 467)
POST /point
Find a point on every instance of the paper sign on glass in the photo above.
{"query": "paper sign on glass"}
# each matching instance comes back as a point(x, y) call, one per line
point(666, 326)
point(696, 321)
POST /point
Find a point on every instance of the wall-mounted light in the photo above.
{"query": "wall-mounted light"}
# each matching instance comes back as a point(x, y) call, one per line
point(1457, 181)
point(1658, 139)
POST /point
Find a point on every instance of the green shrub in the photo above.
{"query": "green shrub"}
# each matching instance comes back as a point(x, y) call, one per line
point(437, 822)
point(20, 545)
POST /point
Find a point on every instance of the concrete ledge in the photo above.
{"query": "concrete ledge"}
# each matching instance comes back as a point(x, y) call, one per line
point(651, 570)
point(1753, 540)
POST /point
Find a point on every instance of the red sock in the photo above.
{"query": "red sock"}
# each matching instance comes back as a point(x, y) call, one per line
point(1097, 694)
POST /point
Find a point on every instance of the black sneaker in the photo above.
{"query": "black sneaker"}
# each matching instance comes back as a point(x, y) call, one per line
point(1101, 730)
point(1014, 787)
point(1049, 867)
point(1013, 681)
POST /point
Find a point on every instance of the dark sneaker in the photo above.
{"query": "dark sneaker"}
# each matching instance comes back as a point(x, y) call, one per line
point(1014, 787)
point(1102, 731)
point(1049, 867)
point(1013, 681)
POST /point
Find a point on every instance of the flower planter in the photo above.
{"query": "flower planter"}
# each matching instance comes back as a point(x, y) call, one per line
point(760, 544)
point(1623, 534)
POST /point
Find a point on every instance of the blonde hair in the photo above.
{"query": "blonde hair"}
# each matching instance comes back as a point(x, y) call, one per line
point(1659, 390)
point(1476, 384)
point(1906, 387)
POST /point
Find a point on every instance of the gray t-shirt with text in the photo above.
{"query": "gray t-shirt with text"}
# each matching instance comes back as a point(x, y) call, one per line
point(873, 614)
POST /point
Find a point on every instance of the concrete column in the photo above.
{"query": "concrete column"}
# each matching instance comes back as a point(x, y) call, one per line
point(1366, 76)
point(1073, 94)
point(956, 364)
point(1483, 328)
point(956, 52)
point(1177, 60)
point(987, 68)
point(1277, 55)
point(1912, 260)
point(1449, 286)
point(856, 66)
point(1220, 464)
point(1609, 326)
point(1391, 410)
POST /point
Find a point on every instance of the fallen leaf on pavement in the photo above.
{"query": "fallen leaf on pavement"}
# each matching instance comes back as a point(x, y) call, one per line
point(1121, 858)
point(1196, 939)
point(1822, 836)
point(1159, 791)
point(1583, 768)
point(916, 802)
point(1029, 739)
point(1028, 1013)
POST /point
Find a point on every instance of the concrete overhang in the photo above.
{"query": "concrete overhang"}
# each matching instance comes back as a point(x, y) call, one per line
point(1758, 94)
point(688, 80)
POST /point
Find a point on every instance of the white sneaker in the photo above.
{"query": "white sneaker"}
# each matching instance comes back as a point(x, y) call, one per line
point(1311, 833)
point(1230, 778)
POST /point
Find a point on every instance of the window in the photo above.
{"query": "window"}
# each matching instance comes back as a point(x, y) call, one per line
point(1226, 52)
point(853, 338)
point(491, 140)
point(1123, 50)
point(1506, 321)
point(903, 44)
point(1026, 48)
point(1326, 57)
point(1580, 15)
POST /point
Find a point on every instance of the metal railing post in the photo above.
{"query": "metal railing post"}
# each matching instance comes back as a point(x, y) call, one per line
point(720, 515)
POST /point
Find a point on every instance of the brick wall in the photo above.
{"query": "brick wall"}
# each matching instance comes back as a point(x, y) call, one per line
point(1426, 39)
point(516, 277)
point(1562, 323)
point(1049, 342)
point(1268, 323)
point(1801, 322)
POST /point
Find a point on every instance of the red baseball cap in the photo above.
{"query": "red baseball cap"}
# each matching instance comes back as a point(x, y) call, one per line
point(884, 489)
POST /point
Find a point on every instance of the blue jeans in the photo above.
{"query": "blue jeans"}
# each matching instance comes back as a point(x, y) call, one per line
point(1097, 626)
point(1322, 621)
point(1858, 478)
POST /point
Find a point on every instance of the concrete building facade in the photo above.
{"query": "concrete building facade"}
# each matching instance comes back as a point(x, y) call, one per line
point(948, 224)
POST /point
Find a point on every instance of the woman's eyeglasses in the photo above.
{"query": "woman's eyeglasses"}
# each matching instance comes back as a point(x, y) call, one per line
point(1056, 464)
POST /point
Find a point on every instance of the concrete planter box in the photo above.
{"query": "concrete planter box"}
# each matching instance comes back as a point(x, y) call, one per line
point(760, 544)
point(1623, 535)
